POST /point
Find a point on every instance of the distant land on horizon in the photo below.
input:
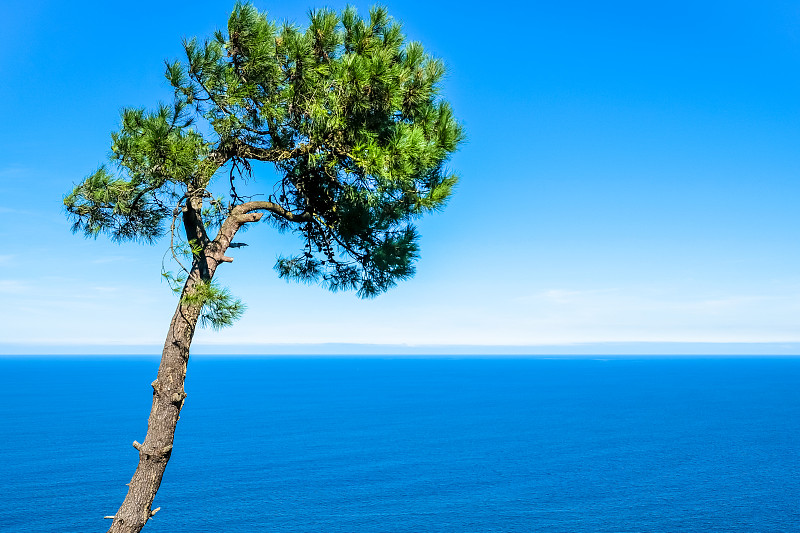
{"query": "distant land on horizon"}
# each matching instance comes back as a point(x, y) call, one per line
point(344, 349)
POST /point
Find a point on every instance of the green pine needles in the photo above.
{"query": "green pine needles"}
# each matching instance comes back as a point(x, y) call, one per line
point(347, 112)
point(219, 308)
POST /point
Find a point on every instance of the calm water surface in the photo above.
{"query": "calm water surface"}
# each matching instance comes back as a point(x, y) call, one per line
point(412, 445)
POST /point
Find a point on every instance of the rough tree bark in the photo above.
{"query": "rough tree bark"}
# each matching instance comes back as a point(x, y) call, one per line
point(168, 387)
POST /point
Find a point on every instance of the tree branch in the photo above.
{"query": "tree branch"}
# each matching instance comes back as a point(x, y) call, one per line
point(246, 208)
point(247, 151)
point(243, 214)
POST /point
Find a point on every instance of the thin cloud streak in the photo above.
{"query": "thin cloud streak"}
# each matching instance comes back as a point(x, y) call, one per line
point(13, 286)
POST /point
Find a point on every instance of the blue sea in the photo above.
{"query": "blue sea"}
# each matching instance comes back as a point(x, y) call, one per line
point(411, 444)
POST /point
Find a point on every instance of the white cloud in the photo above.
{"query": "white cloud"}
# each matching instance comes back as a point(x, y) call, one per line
point(565, 296)
point(100, 312)
point(13, 286)
point(109, 259)
point(545, 316)
point(15, 211)
point(13, 172)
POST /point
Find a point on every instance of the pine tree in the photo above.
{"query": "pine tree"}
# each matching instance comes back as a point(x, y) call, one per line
point(349, 115)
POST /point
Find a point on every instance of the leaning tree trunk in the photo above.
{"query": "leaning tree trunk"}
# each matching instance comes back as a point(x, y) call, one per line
point(168, 393)
point(168, 396)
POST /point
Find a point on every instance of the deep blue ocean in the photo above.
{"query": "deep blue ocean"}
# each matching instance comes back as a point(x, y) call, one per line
point(411, 444)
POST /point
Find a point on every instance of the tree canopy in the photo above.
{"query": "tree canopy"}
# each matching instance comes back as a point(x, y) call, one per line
point(346, 110)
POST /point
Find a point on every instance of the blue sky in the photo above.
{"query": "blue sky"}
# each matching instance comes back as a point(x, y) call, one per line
point(630, 176)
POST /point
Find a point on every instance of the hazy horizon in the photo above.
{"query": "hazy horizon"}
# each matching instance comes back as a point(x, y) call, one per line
point(357, 350)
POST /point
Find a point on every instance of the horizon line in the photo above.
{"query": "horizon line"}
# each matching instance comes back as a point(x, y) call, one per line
point(775, 348)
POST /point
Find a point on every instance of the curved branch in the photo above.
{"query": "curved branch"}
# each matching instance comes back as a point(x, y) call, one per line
point(272, 207)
